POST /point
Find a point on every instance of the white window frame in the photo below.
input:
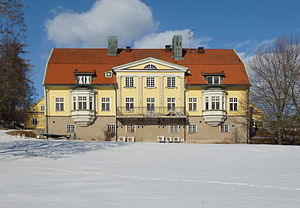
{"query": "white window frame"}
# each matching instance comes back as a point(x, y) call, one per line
point(71, 128)
point(192, 128)
point(82, 103)
point(59, 104)
point(215, 80)
point(129, 82)
point(150, 82)
point(171, 104)
point(150, 104)
point(105, 104)
point(174, 128)
point(193, 102)
point(215, 102)
point(224, 128)
point(129, 104)
point(130, 128)
point(84, 79)
point(171, 82)
point(150, 66)
point(233, 104)
point(111, 128)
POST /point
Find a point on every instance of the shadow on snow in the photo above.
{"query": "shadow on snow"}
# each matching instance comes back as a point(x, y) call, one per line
point(51, 149)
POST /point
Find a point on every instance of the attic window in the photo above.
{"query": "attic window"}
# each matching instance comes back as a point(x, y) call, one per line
point(213, 80)
point(84, 78)
point(150, 66)
point(108, 74)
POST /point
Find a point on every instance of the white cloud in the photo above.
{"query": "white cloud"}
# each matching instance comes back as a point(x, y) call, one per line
point(159, 40)
point(128, 19)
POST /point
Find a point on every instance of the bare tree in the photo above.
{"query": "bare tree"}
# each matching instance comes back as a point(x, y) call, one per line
point(15, 87)
point(276, 78)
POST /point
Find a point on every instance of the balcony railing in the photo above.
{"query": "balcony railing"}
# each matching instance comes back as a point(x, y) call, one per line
point(157, 112)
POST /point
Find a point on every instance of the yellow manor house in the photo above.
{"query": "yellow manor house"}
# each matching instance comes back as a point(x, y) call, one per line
point(171, 94)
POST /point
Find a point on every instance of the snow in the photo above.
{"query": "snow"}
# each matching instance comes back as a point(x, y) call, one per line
point(76, 174)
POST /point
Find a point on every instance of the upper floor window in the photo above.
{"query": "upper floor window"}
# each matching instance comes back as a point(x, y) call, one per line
point(150, 66)
point(192, 104)
point(171, 103)
point(129, 104)
point(214, 102)
point(84, 79)
point(34, 121)
point(150, 82)
point(171, 83)
point(150, 104)
point(213, 79)
point(129, 82)
point(42, 108)
point(59, 104)
point(105, 104)
point(233, 104)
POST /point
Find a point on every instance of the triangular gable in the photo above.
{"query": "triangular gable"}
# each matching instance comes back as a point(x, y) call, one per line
point(159, 64)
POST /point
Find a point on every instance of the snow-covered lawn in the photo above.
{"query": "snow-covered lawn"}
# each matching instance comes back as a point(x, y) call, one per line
point(79, 174)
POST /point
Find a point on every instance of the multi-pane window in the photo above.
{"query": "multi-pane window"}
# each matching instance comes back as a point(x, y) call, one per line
point(171, 83)
point(130, 128)
point(42, 108)
point(111, 128)
point(34, 121)
point(192, 104)
point(206, 103)
point(150, 82)
point(213, 80)
point(82, 103)
point(174, 128)
point(150, 66)
point(233, 104)
point(129, 82)
point(105, 104)
point(129, 104)
point(70, 128)
point(224, 128)
point(150, 104)
point(215, 102)
point(192, 128)
point(59, 104)
point(171, 103)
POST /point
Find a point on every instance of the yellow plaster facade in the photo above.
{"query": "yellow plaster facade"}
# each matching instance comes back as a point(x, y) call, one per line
point(35, 116)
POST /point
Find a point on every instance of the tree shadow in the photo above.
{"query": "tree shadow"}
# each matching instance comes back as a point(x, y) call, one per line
point(51, 149)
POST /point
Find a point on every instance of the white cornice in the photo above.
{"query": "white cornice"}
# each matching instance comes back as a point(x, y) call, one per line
point(150, 59)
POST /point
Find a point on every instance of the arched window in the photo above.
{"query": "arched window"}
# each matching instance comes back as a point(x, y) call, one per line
point(150, 66)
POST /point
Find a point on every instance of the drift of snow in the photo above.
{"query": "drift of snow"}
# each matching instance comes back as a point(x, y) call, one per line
point(44, 173)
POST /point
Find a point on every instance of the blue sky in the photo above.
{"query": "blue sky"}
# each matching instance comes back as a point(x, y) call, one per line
point(242, 25)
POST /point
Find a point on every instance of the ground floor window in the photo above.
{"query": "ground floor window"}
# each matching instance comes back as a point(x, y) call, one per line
point(224, 128)
point(130, 128)
point(34, 121)
point(192, 129)
point(174, 128)
point(70, 128)
point(111, 128)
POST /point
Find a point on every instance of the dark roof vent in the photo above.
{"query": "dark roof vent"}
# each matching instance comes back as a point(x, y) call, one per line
point(167, 48)
point(128, 49)
point(200, 50)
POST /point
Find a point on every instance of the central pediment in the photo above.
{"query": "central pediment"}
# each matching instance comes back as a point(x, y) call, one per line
point(150, 64)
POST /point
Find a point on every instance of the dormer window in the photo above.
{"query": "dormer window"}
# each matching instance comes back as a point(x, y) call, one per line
point(87, 79)
point(213, 80)
point(150, 66)
point(84, 78)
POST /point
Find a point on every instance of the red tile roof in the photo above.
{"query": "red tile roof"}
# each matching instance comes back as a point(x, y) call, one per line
point(63, 62)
